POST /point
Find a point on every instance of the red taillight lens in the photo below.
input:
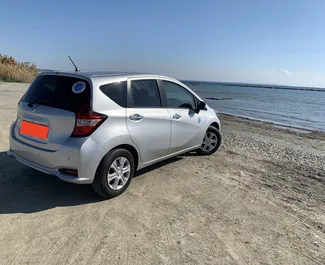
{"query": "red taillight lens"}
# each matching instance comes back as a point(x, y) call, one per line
point(87, 121)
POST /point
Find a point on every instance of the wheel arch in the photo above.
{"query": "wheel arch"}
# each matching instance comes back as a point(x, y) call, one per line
point(215, 124)
point(128, 147)
point(132, 150)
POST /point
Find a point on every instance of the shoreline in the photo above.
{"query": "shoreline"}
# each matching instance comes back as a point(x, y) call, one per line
point(293, 129)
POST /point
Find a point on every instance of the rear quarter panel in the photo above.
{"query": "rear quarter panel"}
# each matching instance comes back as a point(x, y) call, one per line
point(113, 132)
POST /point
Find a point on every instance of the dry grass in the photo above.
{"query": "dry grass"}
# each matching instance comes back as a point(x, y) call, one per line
point(13, 71)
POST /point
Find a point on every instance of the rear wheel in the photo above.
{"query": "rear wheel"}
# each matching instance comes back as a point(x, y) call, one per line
point(211, 142)
point(114, 174)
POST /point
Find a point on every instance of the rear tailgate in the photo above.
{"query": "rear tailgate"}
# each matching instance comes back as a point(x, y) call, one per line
point(47, 112)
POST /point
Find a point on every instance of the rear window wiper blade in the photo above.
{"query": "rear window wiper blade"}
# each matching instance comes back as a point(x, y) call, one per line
point(38, 102)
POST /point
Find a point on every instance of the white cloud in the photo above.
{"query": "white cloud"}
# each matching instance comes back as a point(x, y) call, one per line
point(284, 71)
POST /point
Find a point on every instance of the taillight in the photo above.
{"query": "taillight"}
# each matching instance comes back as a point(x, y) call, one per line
point(87, 121)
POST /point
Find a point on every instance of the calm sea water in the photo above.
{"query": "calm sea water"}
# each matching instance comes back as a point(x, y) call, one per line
point(297, 108)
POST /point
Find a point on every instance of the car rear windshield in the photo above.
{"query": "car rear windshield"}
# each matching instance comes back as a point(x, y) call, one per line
point(63, 92)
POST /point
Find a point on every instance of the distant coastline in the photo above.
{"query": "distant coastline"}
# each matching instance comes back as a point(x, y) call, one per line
point(267, 86)
point(276, 87)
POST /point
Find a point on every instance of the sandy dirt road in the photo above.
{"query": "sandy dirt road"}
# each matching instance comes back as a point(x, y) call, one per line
point(259, 200)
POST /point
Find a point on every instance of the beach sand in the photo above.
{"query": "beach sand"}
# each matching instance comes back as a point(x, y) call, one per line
point(259, 200)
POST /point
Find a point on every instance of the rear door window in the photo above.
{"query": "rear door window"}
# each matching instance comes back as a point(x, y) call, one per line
point(62, 92)
point(145, 94)
point(117, 92)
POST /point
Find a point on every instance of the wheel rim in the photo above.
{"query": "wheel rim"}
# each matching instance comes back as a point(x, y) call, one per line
point(118, 173)
point(210, 142)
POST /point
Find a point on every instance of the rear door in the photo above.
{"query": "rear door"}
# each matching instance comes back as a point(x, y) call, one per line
point(46, 114)
point(187, 126)
point(149, 124)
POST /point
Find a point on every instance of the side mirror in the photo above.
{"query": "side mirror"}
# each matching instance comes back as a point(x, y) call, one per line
point(200, 106)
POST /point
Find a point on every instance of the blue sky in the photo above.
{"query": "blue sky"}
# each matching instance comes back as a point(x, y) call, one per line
point(279, 42)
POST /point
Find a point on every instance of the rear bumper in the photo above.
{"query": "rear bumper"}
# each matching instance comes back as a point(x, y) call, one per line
point(46, 170)
point(83, 154)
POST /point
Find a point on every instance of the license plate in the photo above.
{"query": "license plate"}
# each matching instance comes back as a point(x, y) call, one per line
point(34, 130)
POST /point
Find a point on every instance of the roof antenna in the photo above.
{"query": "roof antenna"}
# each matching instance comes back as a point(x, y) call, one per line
point(76, 68)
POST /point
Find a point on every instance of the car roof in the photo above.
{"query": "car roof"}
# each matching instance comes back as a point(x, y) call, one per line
point(103, 74)
point(102, 77)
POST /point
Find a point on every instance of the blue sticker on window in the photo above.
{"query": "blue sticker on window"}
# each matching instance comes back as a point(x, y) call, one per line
point(198, 120)
point(79, 87)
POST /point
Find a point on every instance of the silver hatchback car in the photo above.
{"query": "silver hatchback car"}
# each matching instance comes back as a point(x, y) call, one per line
point(100, 128)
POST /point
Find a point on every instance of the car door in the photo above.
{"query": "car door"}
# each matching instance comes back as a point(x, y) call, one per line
point(187, 126)
point(149, 124)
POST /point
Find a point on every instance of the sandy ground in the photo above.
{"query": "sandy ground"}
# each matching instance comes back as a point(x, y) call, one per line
point(259, 200)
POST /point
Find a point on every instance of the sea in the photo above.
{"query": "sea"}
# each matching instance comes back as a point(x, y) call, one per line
point(297, 107)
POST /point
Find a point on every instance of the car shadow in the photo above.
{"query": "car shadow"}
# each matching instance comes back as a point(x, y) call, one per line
point(157, 165)
point(192, 153)
point(25, 190)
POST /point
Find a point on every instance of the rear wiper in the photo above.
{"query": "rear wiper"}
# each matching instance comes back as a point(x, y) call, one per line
point(30, 104)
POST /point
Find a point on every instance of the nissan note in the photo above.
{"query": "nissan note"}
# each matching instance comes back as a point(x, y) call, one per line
point(100, 128)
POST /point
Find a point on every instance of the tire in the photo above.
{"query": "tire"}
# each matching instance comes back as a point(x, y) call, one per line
point(212, 134)
point(114, 173)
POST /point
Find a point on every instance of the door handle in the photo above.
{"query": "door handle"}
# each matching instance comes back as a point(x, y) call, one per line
point(177, 116)
point(136, 117)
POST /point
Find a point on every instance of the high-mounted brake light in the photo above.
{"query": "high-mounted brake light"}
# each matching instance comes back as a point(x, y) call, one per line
point(87, 121)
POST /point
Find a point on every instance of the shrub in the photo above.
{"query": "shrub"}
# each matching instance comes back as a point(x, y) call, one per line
point(13, 71)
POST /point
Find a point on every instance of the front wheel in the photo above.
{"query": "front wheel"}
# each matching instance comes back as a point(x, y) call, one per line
point(114, 173)
point(211, 142)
